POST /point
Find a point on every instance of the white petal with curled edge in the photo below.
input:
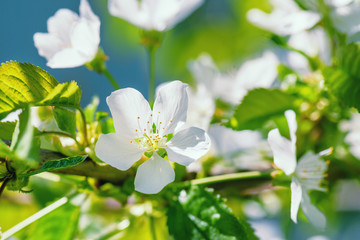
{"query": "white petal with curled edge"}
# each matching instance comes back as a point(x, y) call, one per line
point(153, 175)
point(284, 154)
point(85, 39)
point(315, 216)
point(130, 112)
point(86, 12)
point(117, 151)
point(291, 120)
point(133, 11)
point(188, 145)
point(168, 13)
point(48, 45)
point(296, 195)
point(170, 106)
point(61, 24)
point(67, 58)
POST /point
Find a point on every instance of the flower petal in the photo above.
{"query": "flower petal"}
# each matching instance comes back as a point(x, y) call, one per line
point(85, 38)
point(204, 70)
point(188, 145)
point(131, 112)
point(153, 175)
point(291, 120)
point(170, 107)
point(283, 151)
point(310, 171)
point(201, 107)
point(86, 12)
point(296, 195)
point(117, 151)
point(316, 217)
point(60, 25)
point(133, 11)
point(48, 45)
point(67, 58)
point(168, 13)
point(283, 21)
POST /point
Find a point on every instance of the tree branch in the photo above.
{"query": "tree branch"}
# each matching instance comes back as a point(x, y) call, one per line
point(89, 168)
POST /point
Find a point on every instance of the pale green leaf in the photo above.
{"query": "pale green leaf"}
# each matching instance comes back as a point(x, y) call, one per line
point(259, 106)
point(25, 146)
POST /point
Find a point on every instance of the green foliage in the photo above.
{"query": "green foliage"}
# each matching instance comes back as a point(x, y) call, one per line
point(90, 109)
point(66, 94)
point(58, 164)
point(7, 130)
point(343, 81)
point(66, 218)
point(25, 146)
point(65, 119)
point(258, 106)
point(202, 215)
point(23, 83)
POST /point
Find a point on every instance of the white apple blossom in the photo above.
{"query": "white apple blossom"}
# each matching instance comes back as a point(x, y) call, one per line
point(306, 175)
point(201, 107)
point(159, 15)
point(314, 43)
point(72, 40)
point(286, 18)
point(353, 136)
point(254, 73)
point(141, 130)
point(242, 149)
point(345, 16)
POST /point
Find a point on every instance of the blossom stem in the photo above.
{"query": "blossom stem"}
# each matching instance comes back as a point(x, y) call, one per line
point(152, 82)
point(227, 178)
point(111, 79)
point(3, 185)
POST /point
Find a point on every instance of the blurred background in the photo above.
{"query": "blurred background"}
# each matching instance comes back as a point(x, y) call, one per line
point(219, 28)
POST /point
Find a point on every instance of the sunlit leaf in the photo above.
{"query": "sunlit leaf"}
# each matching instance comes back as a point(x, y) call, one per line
point(23, 83)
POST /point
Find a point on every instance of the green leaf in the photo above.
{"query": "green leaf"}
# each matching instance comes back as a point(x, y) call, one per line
point(7, 130)
point(23, 83)
point(90, 110)
point(61, 224)
point(202, 215)
point(66, 94)
point(343, 81)
point(25, 146)
point(58, 164)
point(5, 151)
point(258, 106)
point(65, 119)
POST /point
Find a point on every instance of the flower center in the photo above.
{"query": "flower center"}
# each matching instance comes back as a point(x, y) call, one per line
point(151, 142)
point(149, 139)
